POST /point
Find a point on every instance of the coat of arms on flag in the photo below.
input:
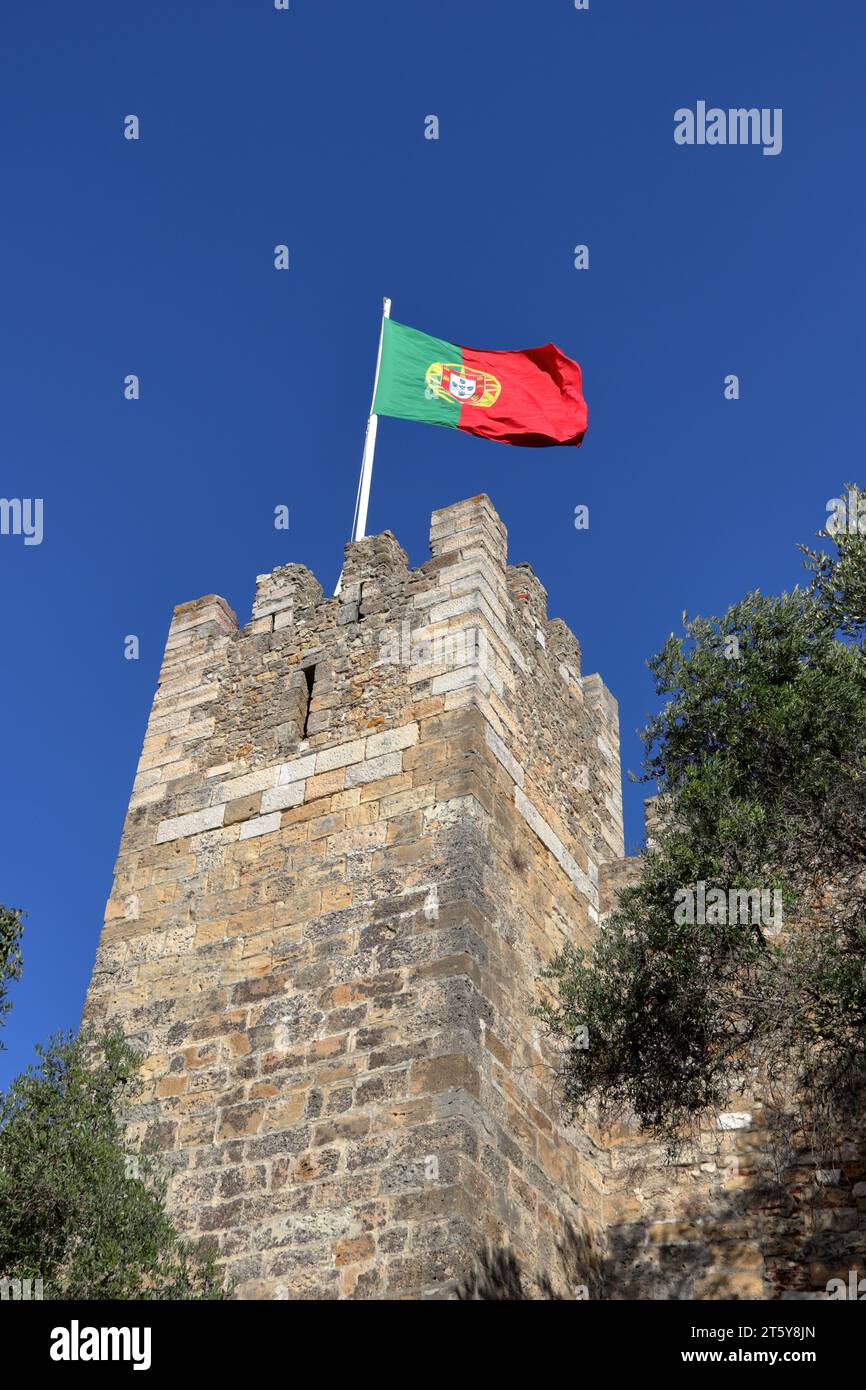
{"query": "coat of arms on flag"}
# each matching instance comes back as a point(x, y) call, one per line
point(449, 381)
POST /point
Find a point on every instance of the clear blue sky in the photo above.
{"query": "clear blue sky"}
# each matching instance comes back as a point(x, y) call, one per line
point(260, 127)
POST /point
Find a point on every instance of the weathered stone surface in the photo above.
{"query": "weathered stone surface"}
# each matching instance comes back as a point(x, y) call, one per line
point(194, 823)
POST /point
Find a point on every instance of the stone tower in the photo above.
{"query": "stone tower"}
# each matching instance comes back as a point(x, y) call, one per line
point(360, 828)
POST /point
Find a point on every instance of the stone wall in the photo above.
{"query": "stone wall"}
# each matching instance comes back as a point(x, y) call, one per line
point(359, 827)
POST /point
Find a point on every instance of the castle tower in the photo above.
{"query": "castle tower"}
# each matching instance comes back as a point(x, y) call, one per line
point(359, 829)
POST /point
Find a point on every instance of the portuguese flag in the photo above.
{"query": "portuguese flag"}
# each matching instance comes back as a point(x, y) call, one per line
point(530, 397)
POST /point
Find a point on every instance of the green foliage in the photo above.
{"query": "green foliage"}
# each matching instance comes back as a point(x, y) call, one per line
point(839, 581)
point(759, 752)
point(11, 927)
point(78, 1208)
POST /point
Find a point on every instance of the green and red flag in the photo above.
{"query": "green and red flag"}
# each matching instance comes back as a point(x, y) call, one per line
point(532, 397)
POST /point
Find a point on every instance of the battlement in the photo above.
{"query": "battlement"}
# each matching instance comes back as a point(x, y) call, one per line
point(316, 678)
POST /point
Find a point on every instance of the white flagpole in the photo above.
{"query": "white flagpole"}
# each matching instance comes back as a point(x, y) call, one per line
point(362, 500)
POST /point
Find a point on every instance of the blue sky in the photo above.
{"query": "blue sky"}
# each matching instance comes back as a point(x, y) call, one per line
point(306, 128)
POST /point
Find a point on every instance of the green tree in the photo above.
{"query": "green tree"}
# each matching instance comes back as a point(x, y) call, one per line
point(79, 1208)
point(11, 927)
point(839, 579)
point(759, 754)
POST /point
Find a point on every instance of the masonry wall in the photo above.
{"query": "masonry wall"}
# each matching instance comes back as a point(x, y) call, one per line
point(327, 921)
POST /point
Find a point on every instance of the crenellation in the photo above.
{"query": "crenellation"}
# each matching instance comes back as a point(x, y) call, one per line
point(529, 597)
point(468, 528)
point(287, 593)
